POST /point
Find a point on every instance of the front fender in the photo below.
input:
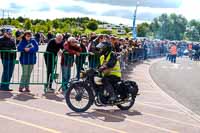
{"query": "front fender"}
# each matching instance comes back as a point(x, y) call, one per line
point(85, 84)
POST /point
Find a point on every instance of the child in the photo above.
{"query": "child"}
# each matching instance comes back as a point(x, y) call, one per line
point(28, 48)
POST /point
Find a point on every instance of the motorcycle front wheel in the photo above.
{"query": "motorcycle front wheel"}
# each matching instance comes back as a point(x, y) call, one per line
point(79, 98)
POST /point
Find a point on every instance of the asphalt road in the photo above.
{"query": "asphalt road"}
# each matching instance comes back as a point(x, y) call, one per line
point(181, 81)
point(153, 111)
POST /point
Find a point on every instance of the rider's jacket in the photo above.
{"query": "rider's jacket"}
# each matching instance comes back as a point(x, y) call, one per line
point(112, 65)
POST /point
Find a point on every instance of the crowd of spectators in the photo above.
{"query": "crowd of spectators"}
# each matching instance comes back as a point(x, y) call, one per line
point(77, 50)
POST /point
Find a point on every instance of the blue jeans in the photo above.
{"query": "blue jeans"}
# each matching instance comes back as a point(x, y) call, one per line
point(145, 54)
point(122, 62)
point(79, 67)
point(173, 58)
point(66, 74)
point(130, 55)
point(8, 68)
point(168, 57)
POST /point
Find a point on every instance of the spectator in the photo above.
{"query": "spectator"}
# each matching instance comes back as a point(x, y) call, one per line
point(115, 44)
point(67, 35)
point(94, 57)
point(173, 51)
point(130, 50)
point(145, 50)
point(80, 60)
point(42, 38)
point(38, 37)
point(123, 54)
point(70, 49)
point(28, 48)
point(18, 36)
point(190, 48)
point(49, 36)
point(8, 59)
point(52, 50)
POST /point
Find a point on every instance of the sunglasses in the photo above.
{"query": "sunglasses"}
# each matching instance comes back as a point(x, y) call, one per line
point(74, 42)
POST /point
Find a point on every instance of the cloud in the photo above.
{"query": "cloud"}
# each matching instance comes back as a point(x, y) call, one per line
point(146, 3)
point(75, 8)
point(44, 7)
point(127, 14)
point(15, 6)
point(114, 11)
point(147, 16)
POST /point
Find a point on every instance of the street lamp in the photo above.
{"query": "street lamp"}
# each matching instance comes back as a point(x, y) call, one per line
point(134, 32)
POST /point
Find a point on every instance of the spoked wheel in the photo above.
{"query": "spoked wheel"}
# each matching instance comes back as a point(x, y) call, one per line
point(127, 105)
point(79, 99)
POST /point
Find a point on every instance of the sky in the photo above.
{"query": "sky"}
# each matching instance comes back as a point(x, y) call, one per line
point(112, 11)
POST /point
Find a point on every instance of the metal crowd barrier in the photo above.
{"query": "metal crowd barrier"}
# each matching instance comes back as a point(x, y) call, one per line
point(69, 66)
point(38, 74)
point(56, 71)
point(142, 54)
point(48, 69)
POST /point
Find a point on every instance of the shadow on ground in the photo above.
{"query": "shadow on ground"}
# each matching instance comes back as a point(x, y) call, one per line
point(24, 97)
point(5, 95)
point(106, 115)
point(53, 97)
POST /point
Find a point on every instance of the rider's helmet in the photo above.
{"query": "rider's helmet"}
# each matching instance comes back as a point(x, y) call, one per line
point(104, 48)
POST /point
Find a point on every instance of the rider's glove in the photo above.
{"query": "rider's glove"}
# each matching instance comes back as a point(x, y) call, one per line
point(101, 69)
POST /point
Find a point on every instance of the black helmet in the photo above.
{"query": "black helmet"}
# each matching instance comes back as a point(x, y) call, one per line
point(104, 48)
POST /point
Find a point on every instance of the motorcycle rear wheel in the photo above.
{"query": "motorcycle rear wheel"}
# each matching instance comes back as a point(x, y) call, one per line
point(129, 104)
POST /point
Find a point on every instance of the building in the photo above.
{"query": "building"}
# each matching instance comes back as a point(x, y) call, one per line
point(8, 27)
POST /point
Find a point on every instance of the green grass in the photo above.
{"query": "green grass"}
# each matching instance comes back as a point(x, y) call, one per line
point(114, 32)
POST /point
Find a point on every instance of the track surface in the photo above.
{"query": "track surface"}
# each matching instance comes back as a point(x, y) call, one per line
point(181, 81)
point(154, 112)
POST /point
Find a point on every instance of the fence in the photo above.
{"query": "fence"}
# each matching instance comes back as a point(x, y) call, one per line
point(48, 69)
point(38, 74)
point(142, 54)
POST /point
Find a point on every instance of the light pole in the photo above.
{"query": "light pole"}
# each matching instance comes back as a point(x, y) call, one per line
point(134, 32)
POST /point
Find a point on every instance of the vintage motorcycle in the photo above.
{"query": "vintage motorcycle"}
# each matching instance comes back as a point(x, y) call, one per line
point(90, 89)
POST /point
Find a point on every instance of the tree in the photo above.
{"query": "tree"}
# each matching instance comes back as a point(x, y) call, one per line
point(20, 19)
point(143, 29)
point(55, 23)
point(179, 26)
point(154, 28)
point(49, 25)
point(127, 29)
point(92, 25)
point(1, 21)
point(15, 23)
point(193, 31)
point(27, 24)
point(39, 28)
point(170, 27)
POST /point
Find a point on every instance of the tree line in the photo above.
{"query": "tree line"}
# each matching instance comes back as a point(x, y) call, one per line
point(71, 25)
point(172, 27)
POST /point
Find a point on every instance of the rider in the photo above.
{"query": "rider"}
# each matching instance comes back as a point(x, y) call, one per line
point(110, 67)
